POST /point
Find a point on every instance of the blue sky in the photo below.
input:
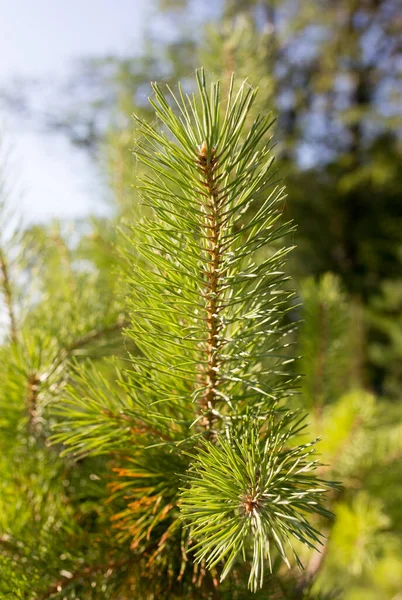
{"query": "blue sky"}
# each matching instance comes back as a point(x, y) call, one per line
point(41, 39)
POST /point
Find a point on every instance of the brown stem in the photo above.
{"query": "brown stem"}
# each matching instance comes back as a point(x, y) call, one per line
point(32, 400)
point(139, 428)
point(83, 574)
point(96, 334)
point(207, 161)
point(314, 566)
point(8, 297)
point(318, 558)
point(84, 340)
point(317, 561)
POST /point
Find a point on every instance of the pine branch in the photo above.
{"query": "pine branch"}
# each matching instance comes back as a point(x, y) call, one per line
point(207, 162)
point(202, 405)
point(83, 575)
point(95, 335)
point(33, 385)
point(8, 297)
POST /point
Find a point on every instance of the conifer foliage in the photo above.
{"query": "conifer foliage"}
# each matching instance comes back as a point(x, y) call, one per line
point(171, 462)
point(209, 469)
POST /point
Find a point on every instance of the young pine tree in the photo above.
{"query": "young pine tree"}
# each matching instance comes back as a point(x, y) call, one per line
point(210, 480)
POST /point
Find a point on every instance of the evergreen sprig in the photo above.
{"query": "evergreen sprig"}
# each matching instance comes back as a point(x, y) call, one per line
point(210, 377)
point(251, 492)
point(206, 307)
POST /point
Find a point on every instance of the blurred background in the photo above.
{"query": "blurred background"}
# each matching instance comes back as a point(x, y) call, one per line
point(72, 74)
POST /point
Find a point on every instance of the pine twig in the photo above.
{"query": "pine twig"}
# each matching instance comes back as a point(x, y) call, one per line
point(33, 384)
point(83, 574)
point(207, 162)
point(8, 296)
point(95, 335)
